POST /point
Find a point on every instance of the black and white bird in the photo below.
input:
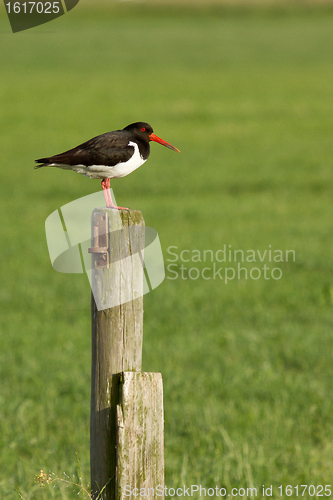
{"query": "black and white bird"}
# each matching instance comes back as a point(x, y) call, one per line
point(108, 156)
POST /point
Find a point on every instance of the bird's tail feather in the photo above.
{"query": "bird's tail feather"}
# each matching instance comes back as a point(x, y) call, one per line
point(45, 162)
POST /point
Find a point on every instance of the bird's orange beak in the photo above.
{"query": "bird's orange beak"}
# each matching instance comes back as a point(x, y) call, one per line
point(154, 137)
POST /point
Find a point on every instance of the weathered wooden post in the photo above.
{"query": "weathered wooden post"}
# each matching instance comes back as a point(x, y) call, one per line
point(126, 425)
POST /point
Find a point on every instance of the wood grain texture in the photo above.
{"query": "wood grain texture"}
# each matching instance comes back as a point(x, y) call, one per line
point(116, 341)
point(140, 435)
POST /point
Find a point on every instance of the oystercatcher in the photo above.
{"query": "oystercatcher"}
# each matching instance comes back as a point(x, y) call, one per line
point(108, 156)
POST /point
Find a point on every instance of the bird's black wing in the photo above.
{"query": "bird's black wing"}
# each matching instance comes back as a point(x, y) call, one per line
point(106, 149)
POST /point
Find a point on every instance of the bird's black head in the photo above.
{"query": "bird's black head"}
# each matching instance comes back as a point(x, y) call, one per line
point(141, 130)
point(144, 132)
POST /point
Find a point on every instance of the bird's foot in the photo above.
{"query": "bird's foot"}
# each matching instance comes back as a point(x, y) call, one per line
point(117, 208)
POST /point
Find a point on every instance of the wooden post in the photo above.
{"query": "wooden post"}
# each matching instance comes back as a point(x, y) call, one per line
point(117, 349)
point(140, 435)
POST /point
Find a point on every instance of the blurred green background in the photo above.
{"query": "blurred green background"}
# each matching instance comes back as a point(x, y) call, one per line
point(246, 94)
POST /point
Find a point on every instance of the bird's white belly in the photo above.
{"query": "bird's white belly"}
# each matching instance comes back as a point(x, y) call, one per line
point(107, 172)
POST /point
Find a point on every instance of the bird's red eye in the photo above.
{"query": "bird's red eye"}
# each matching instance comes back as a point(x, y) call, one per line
point(143, 129)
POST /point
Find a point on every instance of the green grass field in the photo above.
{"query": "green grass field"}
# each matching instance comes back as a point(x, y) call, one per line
point(247, 96)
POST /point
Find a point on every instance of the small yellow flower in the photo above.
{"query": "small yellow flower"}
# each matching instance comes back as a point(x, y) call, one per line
point(43, 478)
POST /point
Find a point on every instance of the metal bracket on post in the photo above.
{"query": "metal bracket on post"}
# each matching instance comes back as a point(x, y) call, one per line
point(100, 240)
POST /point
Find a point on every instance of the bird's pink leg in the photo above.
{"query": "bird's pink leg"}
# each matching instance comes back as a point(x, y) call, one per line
point(108, 197)
point(106, 192)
